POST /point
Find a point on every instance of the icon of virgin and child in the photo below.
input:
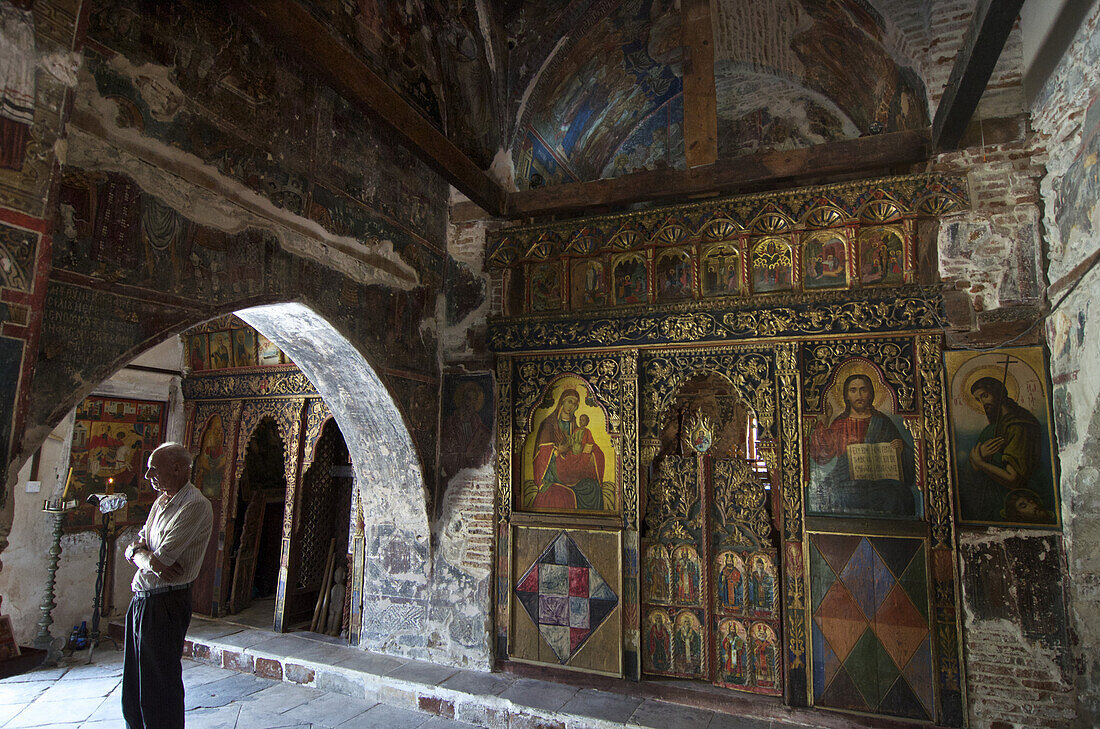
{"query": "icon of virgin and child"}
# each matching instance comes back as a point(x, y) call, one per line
point(861, 461)
point(571, 465)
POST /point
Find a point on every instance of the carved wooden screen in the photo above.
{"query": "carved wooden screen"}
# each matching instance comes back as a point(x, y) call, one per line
point(710, 595)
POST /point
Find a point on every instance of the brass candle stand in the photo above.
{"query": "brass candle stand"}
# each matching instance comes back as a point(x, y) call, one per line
point(56, 509)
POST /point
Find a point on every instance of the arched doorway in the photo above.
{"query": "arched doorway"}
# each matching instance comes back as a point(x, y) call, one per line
point(710, 566)
point(256, 521)
point(319, 546)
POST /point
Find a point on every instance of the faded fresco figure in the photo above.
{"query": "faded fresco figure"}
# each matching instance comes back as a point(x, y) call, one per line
point(465, 436)
point(567, 479)
point(1004, 460)
point(835, 489)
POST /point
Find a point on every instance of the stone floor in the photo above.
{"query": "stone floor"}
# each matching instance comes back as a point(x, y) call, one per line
point(242, 677)
point(76, 694)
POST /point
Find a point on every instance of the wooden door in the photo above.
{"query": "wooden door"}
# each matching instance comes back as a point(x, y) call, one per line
point(248, 548)
point(710, 596)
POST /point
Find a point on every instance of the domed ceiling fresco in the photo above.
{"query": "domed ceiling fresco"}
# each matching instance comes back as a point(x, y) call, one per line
point(596, 88)
point(578, 90)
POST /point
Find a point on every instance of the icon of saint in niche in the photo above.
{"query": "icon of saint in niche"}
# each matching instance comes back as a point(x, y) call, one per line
point(861, 458)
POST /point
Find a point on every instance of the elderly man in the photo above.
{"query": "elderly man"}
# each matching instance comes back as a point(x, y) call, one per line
point(168, 553)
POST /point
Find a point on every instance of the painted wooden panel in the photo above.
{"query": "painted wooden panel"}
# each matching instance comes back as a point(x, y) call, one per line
point(872, 640)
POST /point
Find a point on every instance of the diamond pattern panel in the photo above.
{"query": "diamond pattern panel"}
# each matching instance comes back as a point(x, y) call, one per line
point(565, 596)
point(871, 639)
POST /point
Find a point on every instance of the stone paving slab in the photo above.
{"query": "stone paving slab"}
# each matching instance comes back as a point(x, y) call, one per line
point(476, 682)
point(605, 705)
point(428, 674)
point(540, 694)
point(234, 687)
point(661, 714)
point(384, 716)
point(328, 710)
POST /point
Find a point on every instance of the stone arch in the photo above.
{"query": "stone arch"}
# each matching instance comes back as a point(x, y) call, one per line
point(387, 468)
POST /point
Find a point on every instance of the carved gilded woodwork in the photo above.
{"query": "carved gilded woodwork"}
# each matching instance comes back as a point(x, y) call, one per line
point(819, 206)
point(722, 319)
point(780, 353)
point(265, 382)
point(894, 357)
point(316, 414)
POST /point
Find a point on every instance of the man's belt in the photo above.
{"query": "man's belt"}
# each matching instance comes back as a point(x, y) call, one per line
point(161, 590)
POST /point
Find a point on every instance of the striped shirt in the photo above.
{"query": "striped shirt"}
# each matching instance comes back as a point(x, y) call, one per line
point(177, 531)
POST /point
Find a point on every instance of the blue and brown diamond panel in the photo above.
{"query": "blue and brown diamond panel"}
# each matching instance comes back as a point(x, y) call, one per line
point(871, 639)
point(565, 596)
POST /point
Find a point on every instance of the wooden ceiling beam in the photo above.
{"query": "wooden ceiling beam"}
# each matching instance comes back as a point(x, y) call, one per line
point(295, 29)
point(700, 94)
point(727, 176)
point(982, 45)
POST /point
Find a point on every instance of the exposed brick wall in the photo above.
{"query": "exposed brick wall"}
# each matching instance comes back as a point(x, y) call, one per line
point(1065, 118)
point(1018, 659)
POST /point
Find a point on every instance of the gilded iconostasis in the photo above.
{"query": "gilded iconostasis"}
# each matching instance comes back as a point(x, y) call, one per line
point(730, 447)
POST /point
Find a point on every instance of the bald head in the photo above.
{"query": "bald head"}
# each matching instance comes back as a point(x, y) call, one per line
point(169, 468)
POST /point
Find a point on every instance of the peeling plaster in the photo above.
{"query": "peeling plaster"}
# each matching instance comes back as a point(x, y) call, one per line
point(224, 203)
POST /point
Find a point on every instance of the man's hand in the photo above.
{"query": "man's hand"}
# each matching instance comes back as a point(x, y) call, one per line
point(132, 548)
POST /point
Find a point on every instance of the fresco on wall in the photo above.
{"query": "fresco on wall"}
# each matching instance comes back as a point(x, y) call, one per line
point(772, 265)
point(569, 461)
point(588, 281)
point(208, 471)
point(615, 76)
point(860, 454)
point(1079, 188)
point(112, 441)
point(881, 256)
point(467, 423)
point(721, 271)
point(871, 638)
point(630, 280)
point(824, 261)
point(673, 276)
point(1001, 435)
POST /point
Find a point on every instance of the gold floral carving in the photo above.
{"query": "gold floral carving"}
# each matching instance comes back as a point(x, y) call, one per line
point(261, 382)
point(628, 426)
point(723, 318)
point(317, 413)
point(671, 494)
point(504, 439)
point(790, 455)
point(747, 367)
point(740, 499)
point(893, 356)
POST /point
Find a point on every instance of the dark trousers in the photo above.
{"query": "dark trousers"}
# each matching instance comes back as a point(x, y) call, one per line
point(152, 677)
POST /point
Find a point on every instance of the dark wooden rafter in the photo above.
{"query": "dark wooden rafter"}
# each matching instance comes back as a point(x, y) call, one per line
point(989, 29)
point(295, 29)
point(740, 174)
point(700, 94)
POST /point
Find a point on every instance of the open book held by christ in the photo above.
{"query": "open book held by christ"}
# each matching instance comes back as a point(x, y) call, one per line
point(874, 462)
